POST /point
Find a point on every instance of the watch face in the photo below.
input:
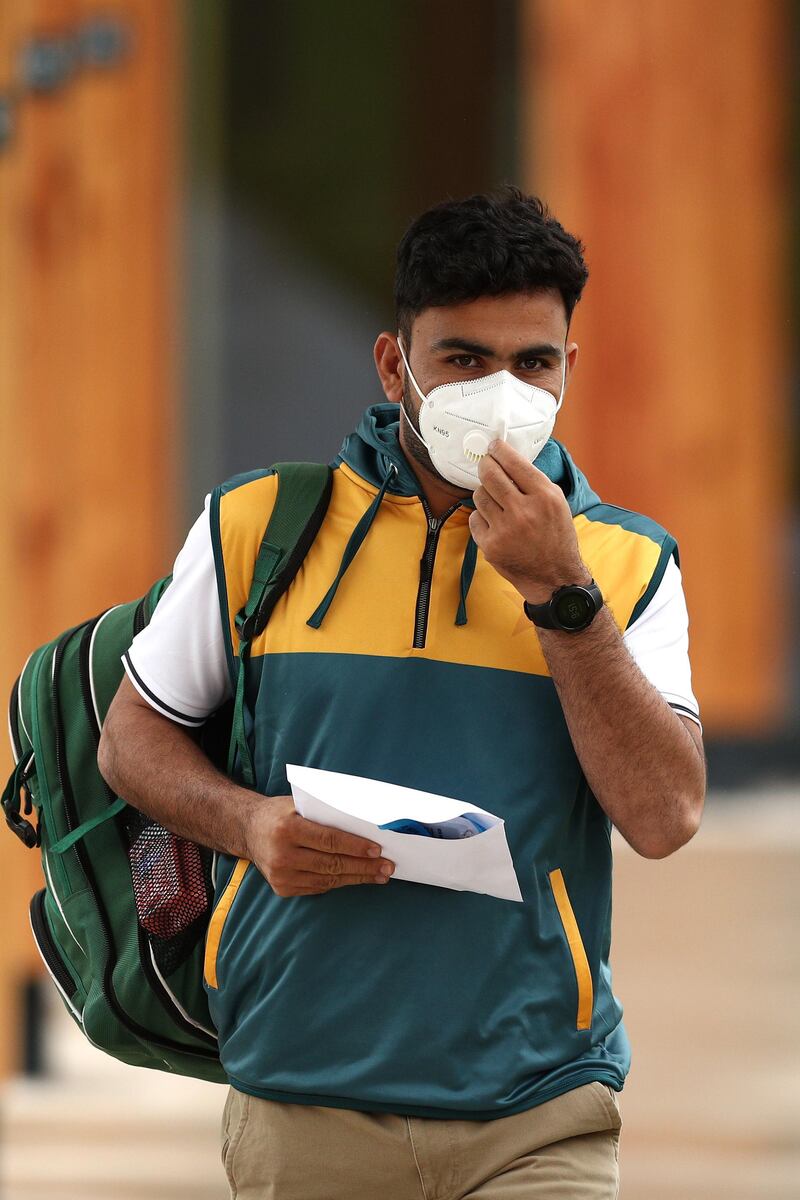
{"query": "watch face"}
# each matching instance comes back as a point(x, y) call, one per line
point(574, 609)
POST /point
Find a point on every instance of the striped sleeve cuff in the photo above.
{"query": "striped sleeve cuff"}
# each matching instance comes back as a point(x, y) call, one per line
point(684, 711)
point(154, 701)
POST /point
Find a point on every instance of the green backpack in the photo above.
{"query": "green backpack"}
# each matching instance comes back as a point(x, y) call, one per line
point(122, 919)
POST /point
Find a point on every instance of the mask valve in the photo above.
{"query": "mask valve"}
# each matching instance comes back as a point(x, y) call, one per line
point(476, 445)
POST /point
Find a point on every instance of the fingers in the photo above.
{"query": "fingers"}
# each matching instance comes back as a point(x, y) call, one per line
point(333, 841)
point(486, 505)
point(504, 470)
point(308, 884)
point(317, 862)
point(478, 526)
point(496, 482)
point(303, 857)
point(296, 872)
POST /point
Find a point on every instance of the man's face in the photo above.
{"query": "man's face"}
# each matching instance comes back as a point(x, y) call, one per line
point(522, 333)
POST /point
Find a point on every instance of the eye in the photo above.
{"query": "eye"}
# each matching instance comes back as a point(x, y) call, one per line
point(467, 361)
point(533, 364)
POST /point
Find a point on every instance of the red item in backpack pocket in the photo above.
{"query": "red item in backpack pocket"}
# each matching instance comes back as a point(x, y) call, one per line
point(168, 882)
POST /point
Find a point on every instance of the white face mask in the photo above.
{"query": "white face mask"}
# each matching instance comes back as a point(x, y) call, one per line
point(459, 420)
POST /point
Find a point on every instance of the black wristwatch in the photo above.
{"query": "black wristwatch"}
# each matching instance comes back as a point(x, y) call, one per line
point(571, 608)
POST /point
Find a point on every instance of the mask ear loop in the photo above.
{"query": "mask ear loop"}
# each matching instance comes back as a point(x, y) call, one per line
point(421, 395)
point(563, 382)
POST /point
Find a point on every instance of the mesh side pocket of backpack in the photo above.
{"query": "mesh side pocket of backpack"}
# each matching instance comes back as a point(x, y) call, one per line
point(172, 889)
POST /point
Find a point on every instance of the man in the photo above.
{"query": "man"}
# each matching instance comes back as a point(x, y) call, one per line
point(400, 1040)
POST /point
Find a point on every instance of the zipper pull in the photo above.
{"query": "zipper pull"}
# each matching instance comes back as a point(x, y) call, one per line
point(434, 523)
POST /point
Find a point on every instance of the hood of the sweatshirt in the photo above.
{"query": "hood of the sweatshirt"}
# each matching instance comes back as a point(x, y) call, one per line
point(374, 447)
point(373, 451)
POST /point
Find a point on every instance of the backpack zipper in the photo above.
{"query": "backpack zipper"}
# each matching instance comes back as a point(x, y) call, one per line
point(173, 1011)
point(60, 736)
point(86, 687)
point(426, 572)
point(13, 723)
point(15, 816)
point(138, 617)
point(48, 949)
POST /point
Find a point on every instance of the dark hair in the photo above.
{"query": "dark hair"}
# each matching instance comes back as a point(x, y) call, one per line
point(486, 245)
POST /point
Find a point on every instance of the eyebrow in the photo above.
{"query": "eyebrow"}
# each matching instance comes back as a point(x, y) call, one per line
point(542, 350)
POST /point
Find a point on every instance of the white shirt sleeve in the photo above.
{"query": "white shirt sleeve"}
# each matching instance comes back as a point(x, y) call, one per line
point(658, 641)
point(178, 662)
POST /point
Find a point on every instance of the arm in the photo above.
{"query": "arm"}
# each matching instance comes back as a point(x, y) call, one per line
point(178, 660)
point(156, 766)
point(644, 764)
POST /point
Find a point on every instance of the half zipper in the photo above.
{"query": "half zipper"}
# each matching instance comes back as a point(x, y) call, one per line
point(426, 571)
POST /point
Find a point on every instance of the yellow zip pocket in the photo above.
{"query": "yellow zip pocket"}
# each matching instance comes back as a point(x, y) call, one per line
point(217, 922)
point(579, 960)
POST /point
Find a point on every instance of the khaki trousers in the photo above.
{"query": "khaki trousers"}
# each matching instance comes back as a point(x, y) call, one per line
point(565, 1149)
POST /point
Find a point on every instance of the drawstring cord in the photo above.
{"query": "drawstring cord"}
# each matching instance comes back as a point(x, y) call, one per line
point(354, 545)
point(467, 572)
point(351, 549)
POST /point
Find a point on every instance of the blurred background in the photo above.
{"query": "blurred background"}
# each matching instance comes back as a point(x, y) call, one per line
point(199, 206)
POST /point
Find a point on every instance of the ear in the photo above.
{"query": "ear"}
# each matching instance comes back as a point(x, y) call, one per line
point(389, 366)
point(572, 358)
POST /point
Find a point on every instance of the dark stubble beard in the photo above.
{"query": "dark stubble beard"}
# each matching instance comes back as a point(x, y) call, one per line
point(417, 451)
point(413, 446)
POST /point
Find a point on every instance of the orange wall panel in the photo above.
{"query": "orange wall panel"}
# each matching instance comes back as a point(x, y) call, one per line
point(657, 133)
point(88, 284)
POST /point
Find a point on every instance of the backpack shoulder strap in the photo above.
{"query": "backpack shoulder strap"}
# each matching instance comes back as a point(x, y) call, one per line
point(304, 492)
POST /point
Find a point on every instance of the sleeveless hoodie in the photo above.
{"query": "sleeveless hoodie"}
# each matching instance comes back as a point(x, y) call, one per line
point(400, 654)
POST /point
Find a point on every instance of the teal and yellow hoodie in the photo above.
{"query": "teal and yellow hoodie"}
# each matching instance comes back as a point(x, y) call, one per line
point(400, 654)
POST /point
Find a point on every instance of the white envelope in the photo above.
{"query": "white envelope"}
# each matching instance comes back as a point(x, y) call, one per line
point(481, 863)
